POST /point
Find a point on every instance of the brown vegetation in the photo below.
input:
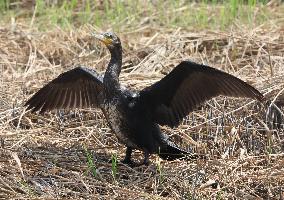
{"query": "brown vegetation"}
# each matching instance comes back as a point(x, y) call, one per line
point(46, 156)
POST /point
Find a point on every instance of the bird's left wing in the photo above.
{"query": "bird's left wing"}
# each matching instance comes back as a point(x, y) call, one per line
point(187, 86)
point(76, 88)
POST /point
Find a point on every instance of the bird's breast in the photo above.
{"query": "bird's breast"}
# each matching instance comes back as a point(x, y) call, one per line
point(118, 122)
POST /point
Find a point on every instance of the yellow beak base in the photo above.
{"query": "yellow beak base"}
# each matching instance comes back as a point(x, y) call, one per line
point(101, 37)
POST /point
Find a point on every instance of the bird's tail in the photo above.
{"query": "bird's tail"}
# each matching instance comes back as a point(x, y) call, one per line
point(170, 152)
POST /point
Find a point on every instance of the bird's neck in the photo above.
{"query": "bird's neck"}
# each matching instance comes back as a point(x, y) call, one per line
point(111, 77)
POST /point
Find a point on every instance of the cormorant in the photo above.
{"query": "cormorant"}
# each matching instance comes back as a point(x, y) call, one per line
point(135, 116)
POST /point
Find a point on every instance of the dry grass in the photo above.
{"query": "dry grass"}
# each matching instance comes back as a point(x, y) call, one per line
point(45, 157)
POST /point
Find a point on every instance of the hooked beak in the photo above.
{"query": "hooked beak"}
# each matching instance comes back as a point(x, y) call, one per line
point(102, 38)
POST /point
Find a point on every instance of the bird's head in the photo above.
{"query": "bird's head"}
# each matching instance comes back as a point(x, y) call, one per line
point(110, 39)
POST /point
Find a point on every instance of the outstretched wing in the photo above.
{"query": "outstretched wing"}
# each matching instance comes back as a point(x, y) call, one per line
point(77, 88)
point(187, 86)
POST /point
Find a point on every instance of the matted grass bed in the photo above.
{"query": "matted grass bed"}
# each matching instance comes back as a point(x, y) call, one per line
point(67, 154)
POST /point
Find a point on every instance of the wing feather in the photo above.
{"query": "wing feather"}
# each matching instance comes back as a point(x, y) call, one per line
point(186, 87)
point(77, 88)
point(67, 99)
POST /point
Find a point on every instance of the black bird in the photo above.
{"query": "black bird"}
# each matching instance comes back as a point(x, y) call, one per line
point(135, 116)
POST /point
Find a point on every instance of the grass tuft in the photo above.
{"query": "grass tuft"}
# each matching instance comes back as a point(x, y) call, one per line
point(114, 166)
point(90, 162)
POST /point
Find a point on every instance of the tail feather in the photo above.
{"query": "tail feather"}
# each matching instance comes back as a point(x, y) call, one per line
point(170, 152)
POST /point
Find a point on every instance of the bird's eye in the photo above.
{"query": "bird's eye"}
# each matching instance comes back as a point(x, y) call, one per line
point(108, 35)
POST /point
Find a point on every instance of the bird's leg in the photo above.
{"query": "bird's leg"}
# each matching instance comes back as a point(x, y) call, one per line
point(146, 160)
point(127, 159)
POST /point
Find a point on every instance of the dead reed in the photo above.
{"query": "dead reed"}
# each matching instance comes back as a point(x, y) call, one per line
point(47, 157)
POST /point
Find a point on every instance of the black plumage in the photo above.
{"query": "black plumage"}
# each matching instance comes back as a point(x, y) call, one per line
point(135, 116)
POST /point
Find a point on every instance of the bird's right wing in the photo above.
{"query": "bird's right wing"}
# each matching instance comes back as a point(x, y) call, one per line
point(77, 88)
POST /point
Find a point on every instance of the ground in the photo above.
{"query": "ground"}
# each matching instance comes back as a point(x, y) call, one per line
point(73, 154)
